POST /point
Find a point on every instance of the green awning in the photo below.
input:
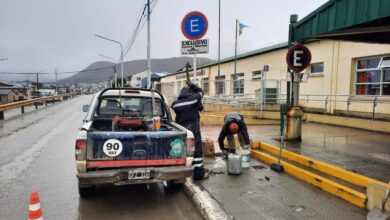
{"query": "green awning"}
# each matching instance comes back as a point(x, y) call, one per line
point(352, 20)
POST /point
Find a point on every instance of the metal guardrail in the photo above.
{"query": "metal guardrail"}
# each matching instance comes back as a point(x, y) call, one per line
point(22, 104)
point(260, 101)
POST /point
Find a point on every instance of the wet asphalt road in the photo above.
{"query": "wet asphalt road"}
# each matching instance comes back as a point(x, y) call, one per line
point(37, 153)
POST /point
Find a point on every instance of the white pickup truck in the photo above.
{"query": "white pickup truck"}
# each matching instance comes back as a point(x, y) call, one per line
point(115, 145)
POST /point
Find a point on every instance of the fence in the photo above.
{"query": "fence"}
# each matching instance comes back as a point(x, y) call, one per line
point(258, 93)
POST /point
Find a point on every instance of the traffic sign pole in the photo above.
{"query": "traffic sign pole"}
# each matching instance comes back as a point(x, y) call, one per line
point(298, 58)
point(194, 67)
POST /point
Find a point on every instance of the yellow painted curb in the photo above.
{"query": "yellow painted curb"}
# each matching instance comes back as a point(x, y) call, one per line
point(346, 193)
point(337, 172)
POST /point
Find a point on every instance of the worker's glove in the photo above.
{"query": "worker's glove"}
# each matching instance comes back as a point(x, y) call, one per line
point(245, 147)
point(191, 85)
point(224, 154)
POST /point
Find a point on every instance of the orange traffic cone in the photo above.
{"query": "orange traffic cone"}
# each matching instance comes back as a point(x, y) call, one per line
point(35, 212)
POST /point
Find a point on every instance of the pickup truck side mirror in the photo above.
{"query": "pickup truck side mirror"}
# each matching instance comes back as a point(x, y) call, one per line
point(85, 108)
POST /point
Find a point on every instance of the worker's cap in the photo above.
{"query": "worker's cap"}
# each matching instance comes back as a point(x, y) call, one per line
point(233, 127)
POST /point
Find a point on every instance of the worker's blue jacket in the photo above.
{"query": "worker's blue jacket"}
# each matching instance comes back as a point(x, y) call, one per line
point(188, 105)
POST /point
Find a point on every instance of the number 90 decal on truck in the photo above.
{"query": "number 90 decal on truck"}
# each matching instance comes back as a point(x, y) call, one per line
point(123, 142)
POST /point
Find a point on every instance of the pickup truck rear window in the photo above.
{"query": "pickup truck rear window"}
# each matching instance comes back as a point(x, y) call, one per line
point(131, 106)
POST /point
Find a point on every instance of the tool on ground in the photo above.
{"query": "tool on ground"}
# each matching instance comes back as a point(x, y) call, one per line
point(35, 212)
point(380, 213)
point(278, 167)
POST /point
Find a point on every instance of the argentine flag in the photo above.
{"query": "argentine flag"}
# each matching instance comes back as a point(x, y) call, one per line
point(240, 27)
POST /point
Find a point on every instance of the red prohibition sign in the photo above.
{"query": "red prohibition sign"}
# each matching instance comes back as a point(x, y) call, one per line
point(186, 27)
point(298, 58)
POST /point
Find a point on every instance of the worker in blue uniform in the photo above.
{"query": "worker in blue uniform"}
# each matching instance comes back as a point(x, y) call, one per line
point(187, 107)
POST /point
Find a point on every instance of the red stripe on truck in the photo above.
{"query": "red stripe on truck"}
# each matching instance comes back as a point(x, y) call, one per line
point(133, 163)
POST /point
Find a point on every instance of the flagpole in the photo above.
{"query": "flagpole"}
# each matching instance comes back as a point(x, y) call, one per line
point(235, 51)
point(219, 42)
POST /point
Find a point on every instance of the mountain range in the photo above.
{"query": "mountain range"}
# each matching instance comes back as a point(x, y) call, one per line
point(102, 71)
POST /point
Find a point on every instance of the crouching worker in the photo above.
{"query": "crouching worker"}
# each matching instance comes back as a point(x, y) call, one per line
point(187, 108)
point(233, 124)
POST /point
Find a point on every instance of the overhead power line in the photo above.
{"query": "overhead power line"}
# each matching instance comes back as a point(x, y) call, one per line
point(136, 24)
point(141, 20)
point(140, 24)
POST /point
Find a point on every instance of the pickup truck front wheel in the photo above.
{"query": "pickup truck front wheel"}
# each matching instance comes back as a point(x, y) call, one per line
point(86, 192)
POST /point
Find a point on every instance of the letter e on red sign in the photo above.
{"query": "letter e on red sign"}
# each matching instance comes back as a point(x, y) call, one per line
point(298, 58)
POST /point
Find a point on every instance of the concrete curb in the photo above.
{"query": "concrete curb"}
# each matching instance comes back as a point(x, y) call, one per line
point(208, 207)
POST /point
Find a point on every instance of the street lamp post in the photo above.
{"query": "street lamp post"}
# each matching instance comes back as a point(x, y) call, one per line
point(114, 60)
point(105, 38)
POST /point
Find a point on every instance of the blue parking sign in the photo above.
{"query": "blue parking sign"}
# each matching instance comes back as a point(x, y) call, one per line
point(194, 25)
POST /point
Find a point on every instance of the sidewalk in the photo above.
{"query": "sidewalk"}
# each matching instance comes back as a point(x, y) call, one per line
point(360, 151)
point(260, 193)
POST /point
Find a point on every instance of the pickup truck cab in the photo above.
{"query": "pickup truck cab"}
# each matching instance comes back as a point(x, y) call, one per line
point(116, 144)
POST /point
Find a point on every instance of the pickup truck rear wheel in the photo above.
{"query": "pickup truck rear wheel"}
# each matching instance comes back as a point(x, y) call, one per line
point(86, 192)
point(175, 185)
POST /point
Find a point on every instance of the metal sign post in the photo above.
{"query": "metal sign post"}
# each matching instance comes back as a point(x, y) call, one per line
point(298, 58)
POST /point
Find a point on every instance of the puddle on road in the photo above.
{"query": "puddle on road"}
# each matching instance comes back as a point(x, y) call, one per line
point(382, 156)
point(298, 208)
point(258, 167)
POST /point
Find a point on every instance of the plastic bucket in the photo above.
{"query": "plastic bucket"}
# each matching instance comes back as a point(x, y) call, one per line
point(153, 123)
point(246, 158)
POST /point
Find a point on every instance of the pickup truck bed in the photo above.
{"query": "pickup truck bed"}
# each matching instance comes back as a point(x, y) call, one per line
point(117, 145)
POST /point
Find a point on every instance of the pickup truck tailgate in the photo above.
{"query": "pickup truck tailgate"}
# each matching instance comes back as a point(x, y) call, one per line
point(137, 148)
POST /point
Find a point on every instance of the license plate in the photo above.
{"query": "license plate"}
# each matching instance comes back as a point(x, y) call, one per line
point(140, 174)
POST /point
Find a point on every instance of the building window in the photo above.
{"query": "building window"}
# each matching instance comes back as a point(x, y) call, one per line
point(373, 76)
point(256, 74)
point(220, 85)
point(139, 78)
point(238, 83)
point(317, 69)
point(205, 85)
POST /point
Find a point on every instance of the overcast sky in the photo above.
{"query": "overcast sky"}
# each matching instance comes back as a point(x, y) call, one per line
point(41, 35)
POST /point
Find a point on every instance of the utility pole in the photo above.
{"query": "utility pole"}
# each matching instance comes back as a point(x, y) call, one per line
point(105, 38)
point(148, 47)
point(37, 81)
point(235, 51)
point(149, 83)
point(56, 93)
point(28, 89)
